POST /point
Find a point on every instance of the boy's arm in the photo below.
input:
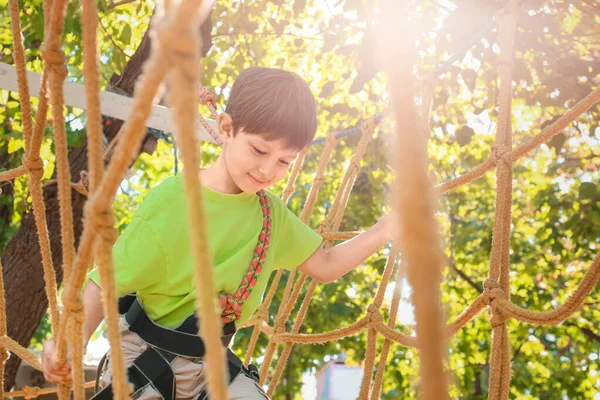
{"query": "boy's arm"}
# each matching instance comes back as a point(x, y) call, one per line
point(328, 265)
point(94, 314)
point(92, 306)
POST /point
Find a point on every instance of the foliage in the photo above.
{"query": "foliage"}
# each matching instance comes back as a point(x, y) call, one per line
point(556, 203)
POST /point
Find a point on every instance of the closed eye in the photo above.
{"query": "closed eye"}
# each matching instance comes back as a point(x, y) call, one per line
point(257, 151)
point(285, 162)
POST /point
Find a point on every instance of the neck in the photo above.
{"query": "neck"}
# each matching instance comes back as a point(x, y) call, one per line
point(217, 178)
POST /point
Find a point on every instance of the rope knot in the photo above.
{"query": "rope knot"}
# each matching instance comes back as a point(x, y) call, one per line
point(74, 308)
point(55, 60)
point(35, 166)
point(374, 315)
point(208, 96)
point(263, 313)
point(492, 291)
point(501, 153)
point(175, 40)
point(30, 392)
point(102, 220)
point(232, 310)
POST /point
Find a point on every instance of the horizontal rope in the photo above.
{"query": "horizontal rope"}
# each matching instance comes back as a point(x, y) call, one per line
point(13, 173)
point(320, 338)
point(30, 392)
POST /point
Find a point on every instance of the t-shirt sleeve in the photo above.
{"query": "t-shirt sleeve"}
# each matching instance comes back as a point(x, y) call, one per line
point(297, 241)
point(139, 260)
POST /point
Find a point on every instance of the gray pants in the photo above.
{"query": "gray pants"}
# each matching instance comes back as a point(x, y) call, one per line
point(189, 374)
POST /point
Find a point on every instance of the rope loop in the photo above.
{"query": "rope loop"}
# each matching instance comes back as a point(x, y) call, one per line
point(501, 153)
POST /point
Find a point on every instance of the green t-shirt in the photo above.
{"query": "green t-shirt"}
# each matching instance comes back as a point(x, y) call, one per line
point(153, 256)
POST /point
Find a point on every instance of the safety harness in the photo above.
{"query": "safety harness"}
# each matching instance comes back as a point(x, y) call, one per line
point(153, 366)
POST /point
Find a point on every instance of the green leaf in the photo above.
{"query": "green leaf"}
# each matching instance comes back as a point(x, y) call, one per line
point(587, 191)
point(15, 145)
point(126, 34)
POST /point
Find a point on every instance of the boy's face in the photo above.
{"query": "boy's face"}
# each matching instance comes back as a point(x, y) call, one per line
point(253, 162)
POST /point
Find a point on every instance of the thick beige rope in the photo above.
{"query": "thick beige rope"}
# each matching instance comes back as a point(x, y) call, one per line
point(95, 166)
point(414, 205)
point(371, 352)
point(179, 34)
point(35, 169)
point(370, 355)
point(19, 56)
point(500, 254)
point(3, 351)
point(385, 348)
point(31, 392)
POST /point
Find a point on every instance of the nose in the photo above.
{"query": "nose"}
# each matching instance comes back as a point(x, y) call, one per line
point(267, 170)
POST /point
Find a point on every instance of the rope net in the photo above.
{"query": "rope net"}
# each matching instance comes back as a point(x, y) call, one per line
point(176, 40)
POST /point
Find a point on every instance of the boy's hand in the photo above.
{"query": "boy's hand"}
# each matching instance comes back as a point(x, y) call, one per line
point(386, 228)
point(53, 372)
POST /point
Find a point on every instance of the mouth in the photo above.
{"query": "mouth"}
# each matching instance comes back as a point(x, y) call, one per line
point(256, 181)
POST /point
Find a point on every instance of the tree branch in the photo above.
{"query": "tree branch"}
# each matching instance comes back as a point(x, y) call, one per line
point(586, 331)
point(112, 5)
point(466, 277)
point(451, 260)
point(112, 40)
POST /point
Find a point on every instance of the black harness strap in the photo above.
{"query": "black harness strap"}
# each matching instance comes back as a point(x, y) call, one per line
point(153, 366)
point(150, 368)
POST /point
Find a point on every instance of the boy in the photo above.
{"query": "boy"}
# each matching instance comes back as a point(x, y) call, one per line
point(270, 117)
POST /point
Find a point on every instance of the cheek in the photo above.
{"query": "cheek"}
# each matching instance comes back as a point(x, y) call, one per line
point(281, 172)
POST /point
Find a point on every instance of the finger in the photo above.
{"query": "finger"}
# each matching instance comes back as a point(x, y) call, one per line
point(50, 377)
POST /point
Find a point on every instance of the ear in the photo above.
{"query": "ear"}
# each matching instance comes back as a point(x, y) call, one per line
point(225, 124)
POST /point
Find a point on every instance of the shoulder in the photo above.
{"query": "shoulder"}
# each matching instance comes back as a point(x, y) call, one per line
point(278, 207)
point(168, 191)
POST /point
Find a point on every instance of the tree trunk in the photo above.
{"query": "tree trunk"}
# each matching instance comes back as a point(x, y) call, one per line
point(26, 301)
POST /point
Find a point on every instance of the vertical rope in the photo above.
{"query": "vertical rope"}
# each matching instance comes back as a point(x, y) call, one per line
point(4, 355)
point(181, 33)
point(500, 368)
point(19, 57)
point(414, 205)
point(54, 60)
point(372, 332)
point(378, 382)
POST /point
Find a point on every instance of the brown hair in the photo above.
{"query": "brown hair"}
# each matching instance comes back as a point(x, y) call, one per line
point(275, 104)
